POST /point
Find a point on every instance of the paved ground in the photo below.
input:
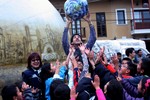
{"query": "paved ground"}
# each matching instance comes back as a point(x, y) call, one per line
point(10, 74)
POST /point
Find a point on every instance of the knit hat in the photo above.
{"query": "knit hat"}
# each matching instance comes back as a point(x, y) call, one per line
point(73, 36)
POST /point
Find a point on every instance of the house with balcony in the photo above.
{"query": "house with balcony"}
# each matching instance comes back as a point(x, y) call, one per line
point(114, 19)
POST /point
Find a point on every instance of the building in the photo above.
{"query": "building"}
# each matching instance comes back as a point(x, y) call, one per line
point(114, 19)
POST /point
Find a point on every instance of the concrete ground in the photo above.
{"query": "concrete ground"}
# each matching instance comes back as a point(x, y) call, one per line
point(10, 74)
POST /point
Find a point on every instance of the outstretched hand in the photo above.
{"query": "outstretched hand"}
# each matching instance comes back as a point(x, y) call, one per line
point(96, 82)
point(57, 66)
point(73, 93)
point(87, 18)
point(68, 20)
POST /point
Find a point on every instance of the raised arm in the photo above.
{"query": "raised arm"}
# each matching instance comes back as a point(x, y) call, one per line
point(99, 92)
point(92, 37)
point(65, 42)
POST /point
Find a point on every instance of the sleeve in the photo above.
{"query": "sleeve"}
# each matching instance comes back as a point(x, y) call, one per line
point(85, 66)
point(56, 76)
point(25, 77)
point(110, 68)
point(92, 38)
point(75, 76)
point(129, 97)
point(130, 89)
point(100, 94)
point(27, 94)
point(47, 88)
point(65, 42)
point(62, 72)
point(85, 62)
point(70, 74)
point(72, 99)
point(135, 80)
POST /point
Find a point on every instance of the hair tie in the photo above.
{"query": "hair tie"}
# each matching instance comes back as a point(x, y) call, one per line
point(147, 83)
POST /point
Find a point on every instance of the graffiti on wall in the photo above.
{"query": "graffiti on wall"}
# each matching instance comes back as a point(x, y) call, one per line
point(36, 27)
point(14, 49)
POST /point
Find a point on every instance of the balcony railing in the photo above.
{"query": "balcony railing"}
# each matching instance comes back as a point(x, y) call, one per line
point(140, 24)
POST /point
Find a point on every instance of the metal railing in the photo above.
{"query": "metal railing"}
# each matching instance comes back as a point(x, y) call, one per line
point(140, 24)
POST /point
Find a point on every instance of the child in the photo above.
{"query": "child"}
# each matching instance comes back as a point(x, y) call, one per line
point(47, 71)
point(59, 90)
point(59, 72)
point(99, 92)
point(114, 90)
point(11, 92)
point(132, 92)
point(27, 92)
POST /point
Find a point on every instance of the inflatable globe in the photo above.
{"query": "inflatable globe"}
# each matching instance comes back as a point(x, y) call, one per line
point(76, 9)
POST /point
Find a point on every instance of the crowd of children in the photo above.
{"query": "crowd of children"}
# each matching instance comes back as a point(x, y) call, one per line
point(83, 75)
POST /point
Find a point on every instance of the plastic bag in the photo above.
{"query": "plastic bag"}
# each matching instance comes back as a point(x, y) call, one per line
point(76, 9)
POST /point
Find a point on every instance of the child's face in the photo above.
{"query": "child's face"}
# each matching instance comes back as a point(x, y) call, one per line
point(19, 94)
point(124, 68)
point(80, 65)
point(139, 66)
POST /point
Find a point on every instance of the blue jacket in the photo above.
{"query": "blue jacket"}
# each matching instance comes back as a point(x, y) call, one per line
point(49, 81)
point(90, 43)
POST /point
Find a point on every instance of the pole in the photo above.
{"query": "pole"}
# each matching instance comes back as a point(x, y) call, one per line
point(132, 4)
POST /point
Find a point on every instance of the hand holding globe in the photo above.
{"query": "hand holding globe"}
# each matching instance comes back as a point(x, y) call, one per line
point(76, 9)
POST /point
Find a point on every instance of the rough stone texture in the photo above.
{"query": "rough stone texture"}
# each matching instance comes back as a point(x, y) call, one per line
point(10, 74)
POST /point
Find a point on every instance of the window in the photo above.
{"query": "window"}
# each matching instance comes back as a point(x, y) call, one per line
point(76, 27)
point(101, 24)
point(121, 16)
point(142, 15)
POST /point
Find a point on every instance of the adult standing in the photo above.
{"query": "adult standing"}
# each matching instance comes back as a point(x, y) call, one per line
point(76, 39)
point(32, 75)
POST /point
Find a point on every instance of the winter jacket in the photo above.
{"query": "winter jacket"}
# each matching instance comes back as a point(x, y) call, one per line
point(104, 74)
point(129, 97)
point(32, 78)
point(50, 80)
point(27, 94)
point(135, 80)
point(130, 89)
